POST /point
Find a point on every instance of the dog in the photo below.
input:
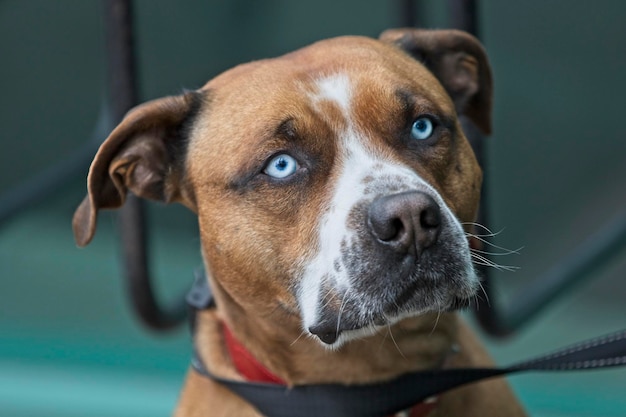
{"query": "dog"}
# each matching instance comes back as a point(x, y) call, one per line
point(334, 190)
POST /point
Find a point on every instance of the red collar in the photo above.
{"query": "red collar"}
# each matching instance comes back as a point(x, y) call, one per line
point(246, 364)
point(253, 371)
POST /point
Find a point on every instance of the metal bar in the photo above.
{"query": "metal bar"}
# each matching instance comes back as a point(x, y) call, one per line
point(492, 317)
point(131, 220)
point(407, 13)
point(46, 183)
point(588, 257)
point(464, 15)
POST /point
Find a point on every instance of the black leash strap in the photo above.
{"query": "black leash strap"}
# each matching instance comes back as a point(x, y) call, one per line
point(384, 399)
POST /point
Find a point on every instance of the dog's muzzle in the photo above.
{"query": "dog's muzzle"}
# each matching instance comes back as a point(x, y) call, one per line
point(407, 255)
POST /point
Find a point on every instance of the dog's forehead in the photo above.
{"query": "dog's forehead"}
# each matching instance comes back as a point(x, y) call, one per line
point(351, 55)
point(337, 69)
point(336, 82)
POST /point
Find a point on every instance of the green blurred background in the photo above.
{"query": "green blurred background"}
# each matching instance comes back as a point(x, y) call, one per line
point(69, 345)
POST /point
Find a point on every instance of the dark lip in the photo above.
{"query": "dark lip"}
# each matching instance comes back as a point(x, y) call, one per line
point(330, 329)
point(329, 333)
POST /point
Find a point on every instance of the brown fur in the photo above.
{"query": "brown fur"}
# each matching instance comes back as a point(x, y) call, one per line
point(254, 234)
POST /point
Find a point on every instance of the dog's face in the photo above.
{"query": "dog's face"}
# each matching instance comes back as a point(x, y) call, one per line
point(330, 183)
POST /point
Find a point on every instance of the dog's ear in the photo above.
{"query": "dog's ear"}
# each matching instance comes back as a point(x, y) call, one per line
point(460, 63)
point(145, 155)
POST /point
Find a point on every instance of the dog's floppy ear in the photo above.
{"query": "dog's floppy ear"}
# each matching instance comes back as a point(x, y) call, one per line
point(460, 63)
point(145, 155)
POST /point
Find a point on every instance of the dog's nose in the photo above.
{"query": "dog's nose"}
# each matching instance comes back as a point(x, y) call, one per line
point(407, 222)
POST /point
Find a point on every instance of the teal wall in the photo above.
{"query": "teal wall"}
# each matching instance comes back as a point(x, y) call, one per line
point(68, 342)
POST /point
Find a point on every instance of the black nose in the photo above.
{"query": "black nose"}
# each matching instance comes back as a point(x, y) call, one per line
point(407, 222)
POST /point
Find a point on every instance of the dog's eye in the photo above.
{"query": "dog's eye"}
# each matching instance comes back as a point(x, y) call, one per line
point(422, 128)
point(281, 166)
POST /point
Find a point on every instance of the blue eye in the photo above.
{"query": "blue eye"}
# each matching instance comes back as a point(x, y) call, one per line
point(422, 128)
point(281, 166)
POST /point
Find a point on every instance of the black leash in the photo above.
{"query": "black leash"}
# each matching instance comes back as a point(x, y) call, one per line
point(384, 399)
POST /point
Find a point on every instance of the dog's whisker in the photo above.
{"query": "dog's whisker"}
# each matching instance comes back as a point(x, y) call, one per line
point(482, 288)
point(302, 333)
point(505, 252)
point(343, 303)
point(327, 298)
point(481, 260)
point(504, 268)
point(393, 339)
point(493, 245)
point(475, 302)
point(490, 233)
point(482, 237)
point(436, 321)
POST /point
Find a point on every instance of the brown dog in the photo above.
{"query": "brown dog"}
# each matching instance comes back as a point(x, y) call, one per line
point(332, 187)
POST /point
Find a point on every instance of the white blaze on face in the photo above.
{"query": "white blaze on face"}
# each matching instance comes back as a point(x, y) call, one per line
point(359, 172)
point(336, 89)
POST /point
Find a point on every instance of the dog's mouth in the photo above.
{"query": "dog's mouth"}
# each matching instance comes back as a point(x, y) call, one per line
point(335, 328)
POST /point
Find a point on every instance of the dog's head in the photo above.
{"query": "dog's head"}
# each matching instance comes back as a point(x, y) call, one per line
point(329, 183)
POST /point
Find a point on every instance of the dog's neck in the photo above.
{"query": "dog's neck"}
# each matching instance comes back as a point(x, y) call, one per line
point(279, 344)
